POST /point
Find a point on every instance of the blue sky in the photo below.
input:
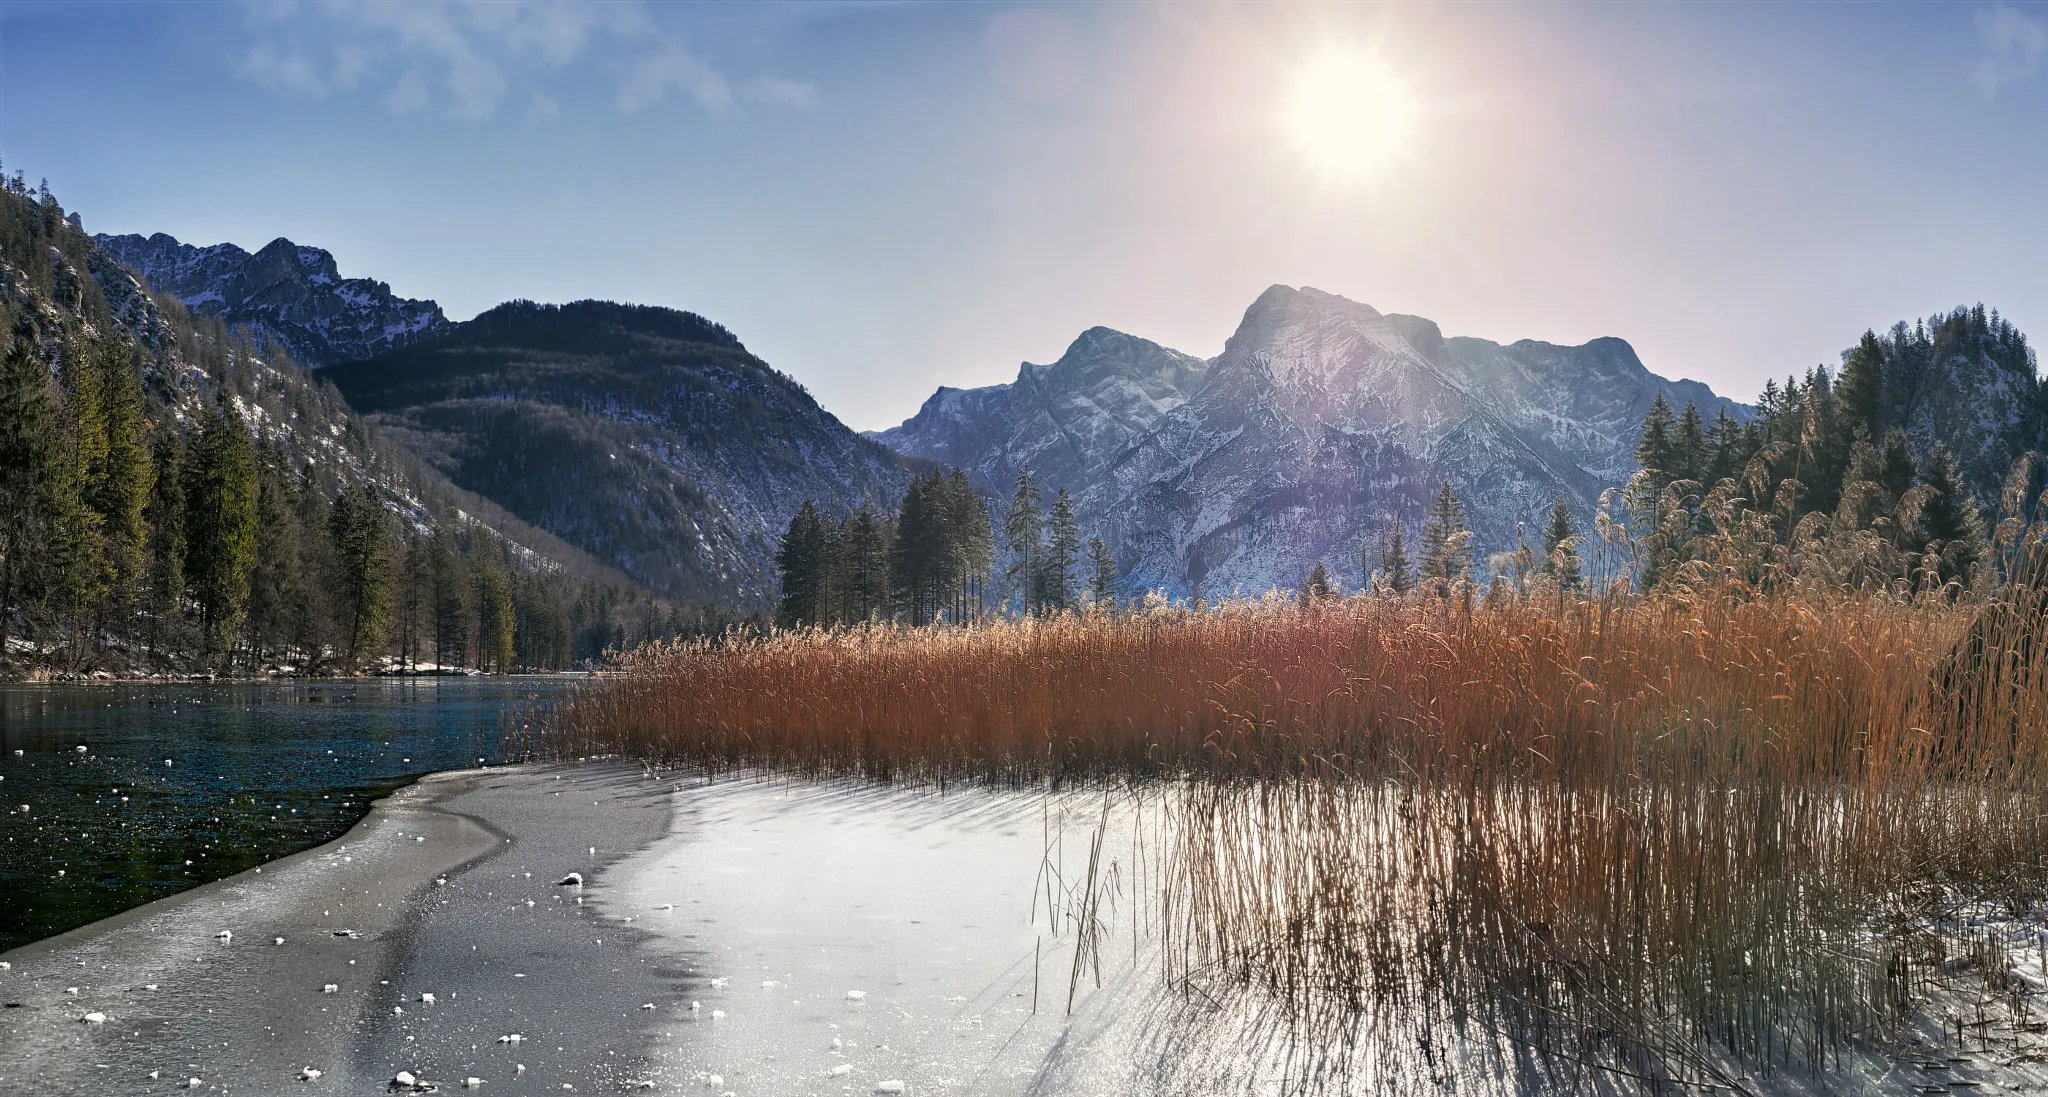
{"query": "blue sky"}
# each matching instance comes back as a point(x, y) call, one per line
point(881, 198)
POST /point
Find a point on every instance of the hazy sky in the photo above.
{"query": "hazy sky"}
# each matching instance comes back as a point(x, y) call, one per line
point(879, 199)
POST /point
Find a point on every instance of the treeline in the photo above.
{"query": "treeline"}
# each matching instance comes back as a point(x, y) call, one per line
point(934, 557)
point(1825, 481)
point(129, 544)
point(1443, 562)
point(176, 497)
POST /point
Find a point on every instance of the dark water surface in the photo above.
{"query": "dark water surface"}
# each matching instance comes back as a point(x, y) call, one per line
point(257, 770)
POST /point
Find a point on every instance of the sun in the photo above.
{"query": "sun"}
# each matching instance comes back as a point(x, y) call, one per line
point(1348, 115)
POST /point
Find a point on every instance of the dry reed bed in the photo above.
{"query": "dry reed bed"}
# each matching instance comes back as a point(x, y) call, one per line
point(1678, 838)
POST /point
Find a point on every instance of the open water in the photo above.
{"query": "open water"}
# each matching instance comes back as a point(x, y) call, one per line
point(112, 795)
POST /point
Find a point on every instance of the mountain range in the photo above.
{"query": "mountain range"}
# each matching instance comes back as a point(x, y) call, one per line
point(654, 441)
point(73, 293)
point(1322, 425)
point(648, 437)
point(287, 292)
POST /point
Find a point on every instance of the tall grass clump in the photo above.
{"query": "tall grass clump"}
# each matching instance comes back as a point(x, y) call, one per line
point(1679, 839)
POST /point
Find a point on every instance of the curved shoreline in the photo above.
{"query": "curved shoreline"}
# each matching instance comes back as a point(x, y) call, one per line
point(244, 1014)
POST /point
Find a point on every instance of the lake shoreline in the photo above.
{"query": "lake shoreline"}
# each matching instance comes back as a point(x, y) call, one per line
point(243, 1013)
point(787, 937)
point(35, 677)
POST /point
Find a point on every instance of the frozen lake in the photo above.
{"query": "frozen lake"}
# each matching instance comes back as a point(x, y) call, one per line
point(839, 939)
point(258, 770)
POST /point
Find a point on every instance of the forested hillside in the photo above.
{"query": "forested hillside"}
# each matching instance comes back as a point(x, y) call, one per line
point(1892, 469)
point(648, 437)
point(177, 496)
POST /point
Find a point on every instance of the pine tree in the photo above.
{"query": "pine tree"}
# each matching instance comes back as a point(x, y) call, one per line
point(164, 555)
point(115, 484)
point(971, 539)
point(1860, 390)
point(361, 534)
point(1396, 571)
point(121, 496)
point(1896, 469)
point(311, 615)
point(496, 623)
point(1446, 543)
point(1318, 587)
point(920, 563)
point(81, 586)
point(1022, 531)
point(1824, 446)
point(864, 566)
point(35, 479)
point(415, 579)
point(1950, 516)
point(803, 560)
point(274, 595)
point(1727, 449)
point(1063, 544)
point(220, 523)
point(448, 612)
point(1560, 546)
point(1692, 456)
point(1102, 581)
point(1658, 451)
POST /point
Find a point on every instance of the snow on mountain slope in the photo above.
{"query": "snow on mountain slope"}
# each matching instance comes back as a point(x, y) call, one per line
point(1321, 425)
point(292, 293)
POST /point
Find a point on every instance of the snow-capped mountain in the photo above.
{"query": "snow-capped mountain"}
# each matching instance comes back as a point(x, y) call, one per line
point(648, 437)
point(290, 292)
point(1321, 425)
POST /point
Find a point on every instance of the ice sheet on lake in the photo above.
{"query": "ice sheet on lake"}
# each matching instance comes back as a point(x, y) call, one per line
point(857, 936)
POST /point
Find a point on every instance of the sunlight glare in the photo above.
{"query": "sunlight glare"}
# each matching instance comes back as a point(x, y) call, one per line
point(1348, 115)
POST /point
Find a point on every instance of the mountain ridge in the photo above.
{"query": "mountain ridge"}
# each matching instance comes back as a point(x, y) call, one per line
point(290, 292)
point(649, 437)
point(1322, 424)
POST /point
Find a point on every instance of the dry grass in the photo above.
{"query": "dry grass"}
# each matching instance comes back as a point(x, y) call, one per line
point(1680, 839)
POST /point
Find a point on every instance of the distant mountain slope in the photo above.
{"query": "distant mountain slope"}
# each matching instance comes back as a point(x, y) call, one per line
point(63, 291)
point(291, 293)
point(649, 437)
point(1321, 425)
point(1104, 393)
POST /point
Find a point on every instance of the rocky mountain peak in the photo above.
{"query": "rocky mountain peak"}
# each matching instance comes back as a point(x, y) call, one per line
point(1103, 355)
point(1323, 424)
point(290, 292)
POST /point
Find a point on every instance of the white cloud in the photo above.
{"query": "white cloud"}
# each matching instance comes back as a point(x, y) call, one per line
point(776, 91)
point(408, 94)
point(283, 70)
point(468, 60)
point(2014, 46)
point(673, 66)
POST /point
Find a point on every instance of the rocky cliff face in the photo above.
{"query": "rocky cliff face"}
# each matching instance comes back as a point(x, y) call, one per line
point(1969, 379)
point(292, 293)
point(1322, 425)
point(646, 436)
